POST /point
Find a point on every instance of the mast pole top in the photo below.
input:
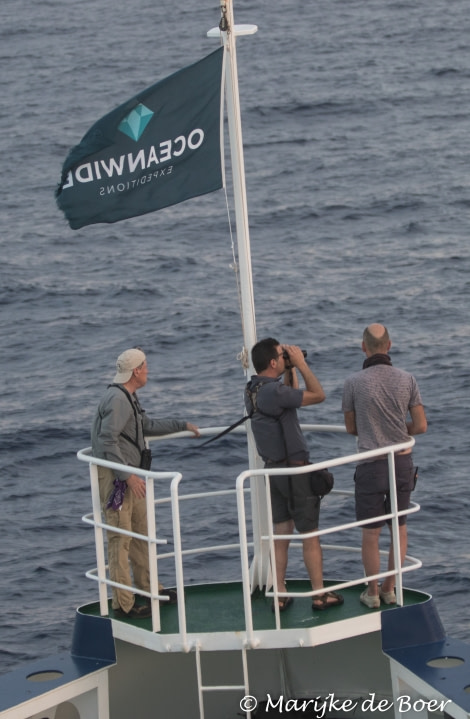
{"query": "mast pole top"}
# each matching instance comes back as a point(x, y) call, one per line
point(227, 25)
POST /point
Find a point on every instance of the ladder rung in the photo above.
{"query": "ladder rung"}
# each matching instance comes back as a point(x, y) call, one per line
point(223, 688)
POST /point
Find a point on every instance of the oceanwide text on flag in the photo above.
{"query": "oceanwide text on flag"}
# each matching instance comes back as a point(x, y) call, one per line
point(159, 148)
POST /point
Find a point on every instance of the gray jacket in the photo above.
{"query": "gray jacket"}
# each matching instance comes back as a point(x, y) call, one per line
point(119, 428)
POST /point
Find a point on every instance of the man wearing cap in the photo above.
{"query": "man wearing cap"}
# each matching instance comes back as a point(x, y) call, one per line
point(118, 430)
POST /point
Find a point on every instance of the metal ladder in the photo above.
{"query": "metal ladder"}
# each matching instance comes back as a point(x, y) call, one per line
point(220, 687)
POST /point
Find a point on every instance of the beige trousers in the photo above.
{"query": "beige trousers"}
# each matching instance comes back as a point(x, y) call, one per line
point(125, 553)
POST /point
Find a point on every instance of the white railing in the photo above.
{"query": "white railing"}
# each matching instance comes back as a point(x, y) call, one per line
point(410, 564)
point(95, 519)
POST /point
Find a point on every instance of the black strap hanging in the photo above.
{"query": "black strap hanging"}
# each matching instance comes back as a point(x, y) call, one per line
point(252, 395)
point(228, 429)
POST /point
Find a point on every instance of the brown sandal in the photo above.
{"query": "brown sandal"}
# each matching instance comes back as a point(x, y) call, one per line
point(283, 604)
point(320, 602)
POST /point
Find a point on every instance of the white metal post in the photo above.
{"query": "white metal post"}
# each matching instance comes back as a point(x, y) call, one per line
point(260, 569)
point(152, 552)
point(395, 528)
point(99, 540)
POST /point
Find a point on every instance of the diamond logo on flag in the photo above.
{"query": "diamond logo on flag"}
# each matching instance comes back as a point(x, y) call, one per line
point(136, 121)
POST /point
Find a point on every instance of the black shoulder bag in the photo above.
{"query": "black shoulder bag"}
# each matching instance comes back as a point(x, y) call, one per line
point(321, 482)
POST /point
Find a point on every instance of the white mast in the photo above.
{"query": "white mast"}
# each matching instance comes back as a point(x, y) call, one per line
point(228, 31)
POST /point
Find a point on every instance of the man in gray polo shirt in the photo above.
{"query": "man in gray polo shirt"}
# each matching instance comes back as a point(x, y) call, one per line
point(382, 406)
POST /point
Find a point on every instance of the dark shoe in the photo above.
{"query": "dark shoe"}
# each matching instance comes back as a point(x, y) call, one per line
point(283, 604)
point(171, 594)
point(143, 611)
point(327, 600)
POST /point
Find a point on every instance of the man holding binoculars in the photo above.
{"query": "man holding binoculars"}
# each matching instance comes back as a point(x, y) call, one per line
point(281, 443)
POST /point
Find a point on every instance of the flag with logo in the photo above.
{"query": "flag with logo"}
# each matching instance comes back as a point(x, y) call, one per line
point(159, 148)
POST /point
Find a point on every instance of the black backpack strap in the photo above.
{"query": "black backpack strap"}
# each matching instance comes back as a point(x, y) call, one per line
point(252, 394)
point(123, 434)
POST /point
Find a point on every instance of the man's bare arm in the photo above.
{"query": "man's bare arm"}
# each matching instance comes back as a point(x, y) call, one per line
point(350, 422)
point(419, 423)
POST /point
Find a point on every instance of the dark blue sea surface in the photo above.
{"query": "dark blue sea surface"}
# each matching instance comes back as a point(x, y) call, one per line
point(356, 121)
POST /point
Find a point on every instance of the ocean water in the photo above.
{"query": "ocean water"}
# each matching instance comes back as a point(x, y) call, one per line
point(355, 123)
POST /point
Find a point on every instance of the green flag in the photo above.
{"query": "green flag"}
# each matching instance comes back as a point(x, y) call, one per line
point(159, 148)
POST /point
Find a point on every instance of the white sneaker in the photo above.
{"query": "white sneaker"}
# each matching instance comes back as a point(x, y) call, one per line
point(370, 600)
point(388, 597)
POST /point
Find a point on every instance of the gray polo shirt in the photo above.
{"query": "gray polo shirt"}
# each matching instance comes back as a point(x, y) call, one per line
point(380, 397)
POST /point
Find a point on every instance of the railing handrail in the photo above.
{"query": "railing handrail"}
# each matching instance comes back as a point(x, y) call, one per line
point(325, 464)
point(85, 455)
point(241, 429)
point(257, 474)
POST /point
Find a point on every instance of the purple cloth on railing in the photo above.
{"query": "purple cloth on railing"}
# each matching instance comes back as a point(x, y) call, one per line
point(116, 497)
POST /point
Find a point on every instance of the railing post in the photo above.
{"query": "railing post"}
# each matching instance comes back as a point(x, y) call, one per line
point(152, 552)
point(246, 585)
point(395, 528)
point(99, 540)
point(175, 513)
point(272, 555)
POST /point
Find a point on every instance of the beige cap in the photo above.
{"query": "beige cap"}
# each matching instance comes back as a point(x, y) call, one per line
point(126, 362)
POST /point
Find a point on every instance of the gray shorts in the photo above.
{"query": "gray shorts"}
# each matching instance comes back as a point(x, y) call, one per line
point(372, 491)
point(292, 498)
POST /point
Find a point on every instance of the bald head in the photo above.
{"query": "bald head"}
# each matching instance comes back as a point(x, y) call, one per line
point(376, 340)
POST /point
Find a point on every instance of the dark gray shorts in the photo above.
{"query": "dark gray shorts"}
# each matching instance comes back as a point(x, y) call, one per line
point(292, 498)
point(372, 491)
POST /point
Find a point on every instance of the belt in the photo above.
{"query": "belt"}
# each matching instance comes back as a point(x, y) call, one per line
point(397, 454)
point(282, 463)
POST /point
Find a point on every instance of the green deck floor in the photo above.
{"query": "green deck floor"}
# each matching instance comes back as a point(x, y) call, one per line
point(219, 608)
